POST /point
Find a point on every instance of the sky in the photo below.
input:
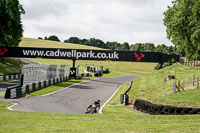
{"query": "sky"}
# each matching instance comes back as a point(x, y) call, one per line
point(132, 21)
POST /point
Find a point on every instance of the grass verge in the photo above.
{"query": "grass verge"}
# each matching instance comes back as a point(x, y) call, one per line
point(153, 88)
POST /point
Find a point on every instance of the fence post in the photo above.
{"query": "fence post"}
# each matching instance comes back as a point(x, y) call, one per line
point(174, 87)
point(197, 83)
point(179, 85)
point(193, 80)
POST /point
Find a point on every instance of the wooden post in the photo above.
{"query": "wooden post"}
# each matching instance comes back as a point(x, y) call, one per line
point(174, 87)
point(179, 85)
point(193, 80)
point(198, 83)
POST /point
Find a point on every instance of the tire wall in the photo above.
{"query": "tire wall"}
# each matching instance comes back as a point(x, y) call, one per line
point(154, 109)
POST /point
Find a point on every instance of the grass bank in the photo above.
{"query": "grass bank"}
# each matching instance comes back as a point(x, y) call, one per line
point(9, 66)
point(37, 43)
point(153, 88)
point(117, 68)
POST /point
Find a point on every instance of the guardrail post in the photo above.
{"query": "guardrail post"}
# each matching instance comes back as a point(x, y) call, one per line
point(174, 87)
point(197, 83)
point(7, 94)
point(21, 79)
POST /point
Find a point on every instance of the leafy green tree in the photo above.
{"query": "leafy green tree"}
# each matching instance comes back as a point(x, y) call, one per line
point(183, 27)
point(74, 40)
point(148, 47)
point(11, 30)
point(53, 38)
point(137, 47)
point(125, 46)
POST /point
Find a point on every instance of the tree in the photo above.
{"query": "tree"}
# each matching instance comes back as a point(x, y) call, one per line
point(148, 47)
point(137, 47)
point(125, 46)
point(11, 30)
point(53, 38)
point(75, 40)
point(163, 49)
point(183, 27)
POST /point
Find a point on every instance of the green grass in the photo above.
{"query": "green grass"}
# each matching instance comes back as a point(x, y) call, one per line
point(29, 42)
point(153, 88)
point(9, 66)
point(116, 119)
point(2, 94)
point(117, 68)
point(57, 87)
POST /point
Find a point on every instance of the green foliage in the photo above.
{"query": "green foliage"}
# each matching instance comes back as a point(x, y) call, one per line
point(143, 47)
point(183, 27)
point(10, 23)
point(75, 40)
point(164, 49)
point(150, 47)
point(53, 38)
point(125, 47)
point(99, 43)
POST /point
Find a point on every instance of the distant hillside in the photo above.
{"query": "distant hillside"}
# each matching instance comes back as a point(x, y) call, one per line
point(28, 42)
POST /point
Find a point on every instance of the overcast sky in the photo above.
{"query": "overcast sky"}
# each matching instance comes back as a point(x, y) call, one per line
point(129, 21)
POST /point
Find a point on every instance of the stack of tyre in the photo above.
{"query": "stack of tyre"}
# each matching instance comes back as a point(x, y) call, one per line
point(154, 109)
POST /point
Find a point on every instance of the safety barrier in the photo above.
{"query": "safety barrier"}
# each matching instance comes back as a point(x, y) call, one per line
point(155, 109)
point(9, 77)
point(19, 91)
point(124, 98)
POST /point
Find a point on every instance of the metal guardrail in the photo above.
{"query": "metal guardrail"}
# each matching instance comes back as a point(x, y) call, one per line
point(124, 98)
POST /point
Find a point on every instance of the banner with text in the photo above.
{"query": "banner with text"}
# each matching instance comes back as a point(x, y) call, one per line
point(80, 54)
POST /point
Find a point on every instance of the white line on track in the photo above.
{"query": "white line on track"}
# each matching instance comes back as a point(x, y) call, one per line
point(10, 107)
point(63, 89)
point(100, 111)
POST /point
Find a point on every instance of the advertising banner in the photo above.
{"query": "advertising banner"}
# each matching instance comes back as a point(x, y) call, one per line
point(80, 54)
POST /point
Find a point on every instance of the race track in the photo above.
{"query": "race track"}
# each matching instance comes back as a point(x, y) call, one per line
point(74, 99)
point(5, 85)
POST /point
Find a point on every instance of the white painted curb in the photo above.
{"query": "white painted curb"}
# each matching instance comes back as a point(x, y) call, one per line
point(10, 107)
point(49, 94)
point(100, 111)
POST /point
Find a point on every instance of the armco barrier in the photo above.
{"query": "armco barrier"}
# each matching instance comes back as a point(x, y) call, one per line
point(19, 91)
point(154, 109)
point(9, 77)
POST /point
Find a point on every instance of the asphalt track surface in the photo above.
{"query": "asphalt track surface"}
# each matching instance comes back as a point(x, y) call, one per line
point(74, 99)
point(5, 85)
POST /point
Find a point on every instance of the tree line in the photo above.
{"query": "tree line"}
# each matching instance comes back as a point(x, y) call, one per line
point(181, 20)
point(138, 47)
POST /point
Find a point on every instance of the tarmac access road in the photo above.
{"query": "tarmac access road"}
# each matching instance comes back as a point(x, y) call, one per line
point(74, 99)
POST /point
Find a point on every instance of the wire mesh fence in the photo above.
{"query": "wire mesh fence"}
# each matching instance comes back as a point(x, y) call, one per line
point(35, 73)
